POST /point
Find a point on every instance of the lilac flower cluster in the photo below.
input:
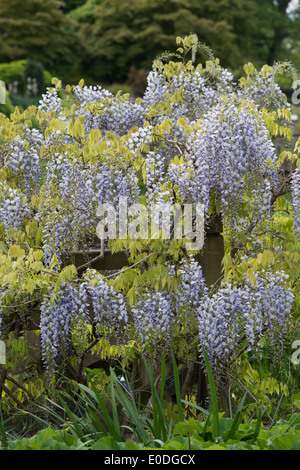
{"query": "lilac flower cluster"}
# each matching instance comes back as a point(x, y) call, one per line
point(154, 176)
point(114, 114)
point(24, 161)
point(89, 94)
point(123, 115)
point(201, 90)
point(235, 315)
point(262, 89)
point(140, 137)
point(156, 89)
point(76, 191)
point(14, 207)
point(191, 291)
point(258, 208)
point(112, 183)
point(93, 302)
point(186, 186)
point(152, 318)
point(50, 101)
point(67, 220)
point(296, 199)
point(56, 325)
point(229, 152)
point(225, 321)
point(109, 308)
point(227, 156)
point(158, 315)
point(201, 93)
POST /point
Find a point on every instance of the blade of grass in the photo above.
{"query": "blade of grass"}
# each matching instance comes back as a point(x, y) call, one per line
point(3, 432)
point(155, 408)
point(205, 426)
point(130, 410)
point(92, 393)
point(116, 421)
point(213, 395)
point(279, 404)
point(197, 407)
point(236, 421)
point(258, 423)
point(91, 420)
point(73, 418)
point(163, 378)
point(160, 423)
point(291, 424)
point(177, 388)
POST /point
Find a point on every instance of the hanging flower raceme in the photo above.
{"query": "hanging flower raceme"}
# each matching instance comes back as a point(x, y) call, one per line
point(159, 315)
point(104, 111)
point(261, 88)
point(296, 199)
point(56, 324)
point(153, 319)
point(229, 151)
point(236, 315)
point(23, 159)
point(14, 207)
point(190, 293)
point(200, 89)
point(76, 191)
point(109, 309)
point(74, 308)
point(51, 101)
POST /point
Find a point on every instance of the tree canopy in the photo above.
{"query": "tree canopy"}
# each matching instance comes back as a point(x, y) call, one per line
point(37, 29)
point(125, 33)
point(110, 41)
point(278, 27)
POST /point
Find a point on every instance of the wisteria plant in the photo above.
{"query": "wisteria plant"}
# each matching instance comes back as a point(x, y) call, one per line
point(196, 136)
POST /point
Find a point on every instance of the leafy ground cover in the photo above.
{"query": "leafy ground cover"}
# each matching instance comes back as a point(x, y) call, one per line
point(190, 435)
point(96, 426)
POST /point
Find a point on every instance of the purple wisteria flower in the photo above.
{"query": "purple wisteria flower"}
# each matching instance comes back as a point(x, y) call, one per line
point(296, 199)
point(238, 314)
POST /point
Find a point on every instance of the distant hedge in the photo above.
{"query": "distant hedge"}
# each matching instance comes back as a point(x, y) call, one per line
point(14, 71)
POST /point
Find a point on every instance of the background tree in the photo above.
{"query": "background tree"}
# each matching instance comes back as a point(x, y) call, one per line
point(125, 33)
point(70, 5)
point(104, 40)
point(278, 28)
point(84, 12)
point(39, 30)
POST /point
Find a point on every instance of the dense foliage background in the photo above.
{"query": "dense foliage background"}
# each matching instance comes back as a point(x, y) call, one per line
point(108, 41)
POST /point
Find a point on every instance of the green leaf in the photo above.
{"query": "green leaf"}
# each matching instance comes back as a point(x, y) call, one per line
point(177, 388)
point(290, 441)
point(106, 443)
point(213, 394)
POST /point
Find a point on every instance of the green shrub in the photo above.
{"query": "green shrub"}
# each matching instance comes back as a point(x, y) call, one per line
point(23, 101)
point(14, 72)
point(34, 69)
point(8, 107)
